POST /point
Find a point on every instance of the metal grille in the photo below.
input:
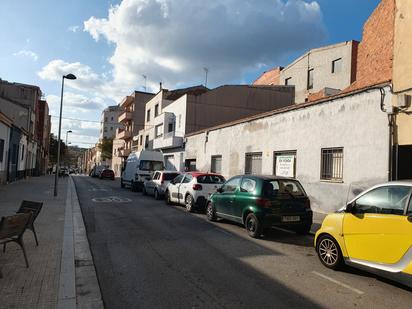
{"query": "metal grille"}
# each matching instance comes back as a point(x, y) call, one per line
point(253, 163)
point(332, 164)
point(216, 164)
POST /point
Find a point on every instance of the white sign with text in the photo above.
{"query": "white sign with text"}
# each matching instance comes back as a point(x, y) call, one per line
point(285, 165)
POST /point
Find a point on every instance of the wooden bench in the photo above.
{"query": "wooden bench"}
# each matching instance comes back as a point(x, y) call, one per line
point(12, 229)
point(34, 208)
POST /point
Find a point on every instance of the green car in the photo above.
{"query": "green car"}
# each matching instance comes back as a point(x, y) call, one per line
point(260, 202)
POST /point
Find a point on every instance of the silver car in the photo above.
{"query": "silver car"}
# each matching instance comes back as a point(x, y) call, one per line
point(157, 185)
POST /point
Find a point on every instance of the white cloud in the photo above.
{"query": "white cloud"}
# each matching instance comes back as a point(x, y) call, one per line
point(73, 29)
point(75, 104)
point(172, 40)
point(26, 53)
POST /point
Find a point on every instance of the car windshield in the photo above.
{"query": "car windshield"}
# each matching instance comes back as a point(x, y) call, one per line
point(170, 176)
point(283, 188)
point(211, 179)
point(146, 165)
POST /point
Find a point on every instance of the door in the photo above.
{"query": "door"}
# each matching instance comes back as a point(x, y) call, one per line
point(245, 197)
point(184, 188)
point(378, 230)
point(174, 188)
point(224, 201)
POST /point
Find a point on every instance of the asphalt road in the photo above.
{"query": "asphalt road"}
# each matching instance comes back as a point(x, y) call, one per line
point(150, 255)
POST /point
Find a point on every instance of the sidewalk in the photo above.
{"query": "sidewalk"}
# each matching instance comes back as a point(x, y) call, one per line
point(44, 284)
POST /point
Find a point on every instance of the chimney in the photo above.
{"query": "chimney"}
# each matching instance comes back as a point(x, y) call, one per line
point(161, 87)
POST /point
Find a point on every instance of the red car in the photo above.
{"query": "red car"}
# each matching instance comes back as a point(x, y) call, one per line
point(107, 174)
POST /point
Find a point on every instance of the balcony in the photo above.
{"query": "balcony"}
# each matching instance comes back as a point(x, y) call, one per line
point(125, 135)
point(170, 140)
point(124, 152)
point(127, 101)
point(125, 116)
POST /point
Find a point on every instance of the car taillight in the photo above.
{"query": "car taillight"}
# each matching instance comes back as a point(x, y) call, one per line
point(197, 187)
point(307, 204)
point(162, 179)
point(263, 202)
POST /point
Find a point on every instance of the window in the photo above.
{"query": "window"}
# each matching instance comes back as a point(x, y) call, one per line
point(332, 164)
point(1, 150)
point(310, 79)
point(253, 163)
point(210, 179)
point(105, 130)
point(384, 200)
point(337, 66)
point(148, 115)
point(283, 189)
point(231, 185)
point(190, 165)
point(146, 142)
point(159, 130)
point(188, 178)
point(156, 110)
point(111, 118)
point(248, 185)
point(216, 164)
point(170, 176)
point(284, 164)
point(179, 178)
point(22, 152)
point(288, 81)
point(105, 119)
point(111, 128)
point(409, 210)
point(141, 140)
point(146, 165)
point(170, 127)
point(156, 176)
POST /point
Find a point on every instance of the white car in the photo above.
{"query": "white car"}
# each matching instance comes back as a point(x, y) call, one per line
point(157, 185)
point(193, 189)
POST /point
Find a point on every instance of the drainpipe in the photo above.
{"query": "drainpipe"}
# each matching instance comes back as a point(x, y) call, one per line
point(391, 119)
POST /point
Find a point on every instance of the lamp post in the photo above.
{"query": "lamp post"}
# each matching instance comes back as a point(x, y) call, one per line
point(56, 177)
point(67, 147)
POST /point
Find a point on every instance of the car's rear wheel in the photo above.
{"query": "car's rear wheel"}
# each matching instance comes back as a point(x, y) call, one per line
point(156, 195)
point(189, 203)
point(253, 226)
point(329, 252)
point(210, 212)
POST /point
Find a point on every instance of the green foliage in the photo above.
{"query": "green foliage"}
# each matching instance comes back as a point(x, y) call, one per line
point(53, 149)
point(106, 148)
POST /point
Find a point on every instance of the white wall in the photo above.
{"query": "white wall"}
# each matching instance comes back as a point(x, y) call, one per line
point(4, 135)
point(179, 109)
point(353, 122)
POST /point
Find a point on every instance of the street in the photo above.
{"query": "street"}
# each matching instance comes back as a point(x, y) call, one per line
point(150, 255)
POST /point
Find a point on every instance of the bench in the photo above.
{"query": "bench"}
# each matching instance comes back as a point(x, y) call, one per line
point(34, 208)
point(12, 229)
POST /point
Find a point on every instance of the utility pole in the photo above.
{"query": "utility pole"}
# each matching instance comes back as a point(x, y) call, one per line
point(206, 72)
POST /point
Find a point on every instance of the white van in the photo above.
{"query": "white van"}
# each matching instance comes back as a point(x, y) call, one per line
point(139, 167)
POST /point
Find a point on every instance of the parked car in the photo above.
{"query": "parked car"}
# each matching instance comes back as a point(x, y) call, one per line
point(107, 174)
point(139, 166)
point(372, 232)
point(260, 202)
point(157, 185)
point(193, 189)
point(63, 171)
point(96, 170)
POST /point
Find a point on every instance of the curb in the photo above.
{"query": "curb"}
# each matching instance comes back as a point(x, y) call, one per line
point(78, 285)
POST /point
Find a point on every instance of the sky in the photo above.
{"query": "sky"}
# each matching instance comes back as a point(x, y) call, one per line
point(111, 45)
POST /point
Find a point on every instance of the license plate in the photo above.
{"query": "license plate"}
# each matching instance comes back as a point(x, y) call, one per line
point(290, 219)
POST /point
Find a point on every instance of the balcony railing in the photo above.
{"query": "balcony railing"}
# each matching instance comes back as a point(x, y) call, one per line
point(125, 116)
point(124, 135)
point(169, 140)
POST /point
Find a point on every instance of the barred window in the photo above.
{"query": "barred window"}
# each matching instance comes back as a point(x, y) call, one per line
point(253, 163)
point(216, 164)
point(332, 164)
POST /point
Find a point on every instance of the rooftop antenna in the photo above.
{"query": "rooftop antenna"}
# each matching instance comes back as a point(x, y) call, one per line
point(206, 72)
point(145, 81)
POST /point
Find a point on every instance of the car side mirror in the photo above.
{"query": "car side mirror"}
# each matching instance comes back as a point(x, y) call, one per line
point(220, 190)
point(350, 208)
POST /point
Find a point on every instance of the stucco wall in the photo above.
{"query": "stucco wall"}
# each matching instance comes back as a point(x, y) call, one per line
point(4, 135)
point(353, 122)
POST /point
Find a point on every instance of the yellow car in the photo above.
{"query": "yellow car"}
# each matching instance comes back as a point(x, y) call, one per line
point(373, 232)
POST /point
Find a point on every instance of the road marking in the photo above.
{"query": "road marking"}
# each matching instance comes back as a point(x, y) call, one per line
point(338, 283)
point(111, 199)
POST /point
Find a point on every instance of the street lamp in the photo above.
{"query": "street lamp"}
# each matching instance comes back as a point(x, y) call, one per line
point(67, 132)
point(56, 177)
point(67, 147)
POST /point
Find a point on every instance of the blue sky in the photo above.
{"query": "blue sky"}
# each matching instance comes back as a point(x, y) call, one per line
point(166, 40)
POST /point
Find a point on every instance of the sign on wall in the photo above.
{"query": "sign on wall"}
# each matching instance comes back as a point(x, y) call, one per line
point(285, 165)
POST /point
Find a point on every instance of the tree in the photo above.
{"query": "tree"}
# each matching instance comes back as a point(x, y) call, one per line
point(106, 148)
point(53, 149)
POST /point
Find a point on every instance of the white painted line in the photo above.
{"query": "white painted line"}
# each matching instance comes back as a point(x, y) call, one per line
point(338, 283)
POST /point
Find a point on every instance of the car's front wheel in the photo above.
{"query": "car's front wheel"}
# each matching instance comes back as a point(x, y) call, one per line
point(167, 198)
point(329, 252)
point(210, 212)
point(189, 202)
point(253, 226)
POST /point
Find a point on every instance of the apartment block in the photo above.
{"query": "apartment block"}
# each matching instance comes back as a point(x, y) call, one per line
point(109, 122)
